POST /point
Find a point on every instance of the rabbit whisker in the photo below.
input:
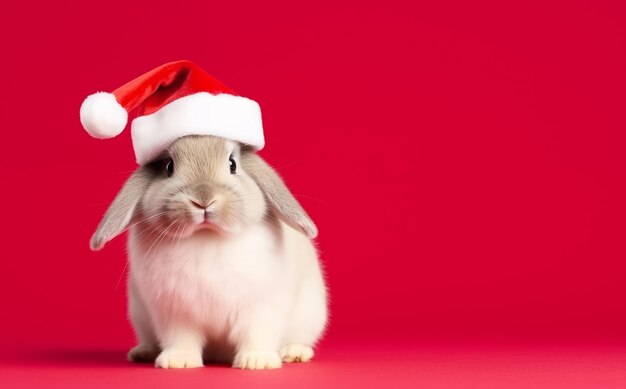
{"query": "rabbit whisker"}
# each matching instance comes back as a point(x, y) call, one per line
point(161, 235)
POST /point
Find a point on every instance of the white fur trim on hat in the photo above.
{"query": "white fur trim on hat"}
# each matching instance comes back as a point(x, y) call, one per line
point(102, 116)
point(224, 115)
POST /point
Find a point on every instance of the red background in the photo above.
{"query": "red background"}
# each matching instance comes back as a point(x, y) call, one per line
point(464, 162)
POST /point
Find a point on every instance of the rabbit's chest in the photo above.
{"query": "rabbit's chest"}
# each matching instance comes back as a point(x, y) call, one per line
point(209, 278)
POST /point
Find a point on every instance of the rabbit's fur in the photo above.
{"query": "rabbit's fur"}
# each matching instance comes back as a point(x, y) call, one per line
point(221, 263)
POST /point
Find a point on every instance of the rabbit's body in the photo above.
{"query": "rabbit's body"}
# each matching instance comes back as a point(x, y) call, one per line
point(221, 261)
point(261, 282)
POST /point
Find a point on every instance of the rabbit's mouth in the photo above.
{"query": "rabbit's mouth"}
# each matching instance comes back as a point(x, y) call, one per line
point(206, 224)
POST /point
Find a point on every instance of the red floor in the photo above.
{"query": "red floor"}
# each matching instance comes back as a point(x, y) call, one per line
point(417, 365)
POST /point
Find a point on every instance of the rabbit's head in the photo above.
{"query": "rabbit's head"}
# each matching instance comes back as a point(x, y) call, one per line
point(202, 182)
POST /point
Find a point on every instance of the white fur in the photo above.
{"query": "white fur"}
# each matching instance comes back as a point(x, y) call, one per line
point(228, 116)
point(102, 116)
point(248, 298)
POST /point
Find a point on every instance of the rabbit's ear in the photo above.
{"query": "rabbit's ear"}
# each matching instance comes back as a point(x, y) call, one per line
point(277, 194)
point(121, 211)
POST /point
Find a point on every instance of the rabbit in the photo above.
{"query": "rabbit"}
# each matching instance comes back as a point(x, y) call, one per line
point(222, 266)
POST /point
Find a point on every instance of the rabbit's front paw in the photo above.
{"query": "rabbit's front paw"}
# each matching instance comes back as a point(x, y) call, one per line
point(178, 359)
point(257, 359)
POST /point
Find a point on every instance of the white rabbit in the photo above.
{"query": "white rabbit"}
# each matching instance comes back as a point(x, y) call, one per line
point(221, 261)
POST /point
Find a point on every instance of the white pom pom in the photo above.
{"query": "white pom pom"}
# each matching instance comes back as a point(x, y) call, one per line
point(102, 116)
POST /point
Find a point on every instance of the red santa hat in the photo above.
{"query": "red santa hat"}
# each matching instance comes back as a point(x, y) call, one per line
point(173, 100)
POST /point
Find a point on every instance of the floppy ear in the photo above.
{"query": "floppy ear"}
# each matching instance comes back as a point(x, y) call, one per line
point(121, 211)
point(277, 194)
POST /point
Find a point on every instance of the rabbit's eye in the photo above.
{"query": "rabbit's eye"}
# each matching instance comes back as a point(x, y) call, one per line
point(233, 165)
point(169, 167)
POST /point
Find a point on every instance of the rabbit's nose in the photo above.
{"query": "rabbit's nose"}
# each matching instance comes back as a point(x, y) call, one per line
point(197, 204)
point(201, 205)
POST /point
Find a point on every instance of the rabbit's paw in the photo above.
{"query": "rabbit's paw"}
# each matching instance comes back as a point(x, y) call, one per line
point(143, 353)
point(296, 353)
point(178, 359)
point(257, 359)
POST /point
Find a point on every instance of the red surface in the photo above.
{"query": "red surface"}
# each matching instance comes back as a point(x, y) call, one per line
point(464, 162)
point(420, 365)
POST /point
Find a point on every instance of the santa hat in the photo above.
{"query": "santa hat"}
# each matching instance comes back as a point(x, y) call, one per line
point(173, 100)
